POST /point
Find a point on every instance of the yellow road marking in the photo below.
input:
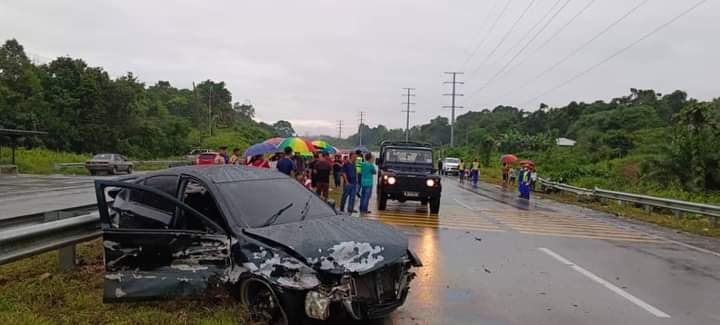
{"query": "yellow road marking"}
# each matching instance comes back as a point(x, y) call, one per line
point(565, 226)
point(437, 224)
point(583, 233)
point(445, 220)
point(445, 227)
point(590, 237)
point(458, 218)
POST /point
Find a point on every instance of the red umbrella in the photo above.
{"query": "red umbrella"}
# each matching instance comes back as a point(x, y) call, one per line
point(506, 159)
point(528, 163)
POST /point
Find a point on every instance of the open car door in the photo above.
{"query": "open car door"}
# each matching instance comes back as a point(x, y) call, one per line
point(157, 247)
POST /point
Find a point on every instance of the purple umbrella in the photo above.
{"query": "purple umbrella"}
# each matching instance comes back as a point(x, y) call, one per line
point(260, 149)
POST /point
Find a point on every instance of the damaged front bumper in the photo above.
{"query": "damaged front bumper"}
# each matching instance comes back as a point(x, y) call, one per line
point(363, 297)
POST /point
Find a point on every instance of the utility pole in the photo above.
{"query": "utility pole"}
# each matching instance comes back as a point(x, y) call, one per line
point(339, 127)
point(407, 112)
point(210, 111)
point(362, 121)
point(453, 106)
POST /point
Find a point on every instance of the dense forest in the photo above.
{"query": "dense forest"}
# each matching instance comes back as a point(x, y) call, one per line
point(644, 141)
point(84, 110)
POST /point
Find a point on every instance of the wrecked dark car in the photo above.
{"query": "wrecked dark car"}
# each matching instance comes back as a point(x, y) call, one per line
point(277, 247)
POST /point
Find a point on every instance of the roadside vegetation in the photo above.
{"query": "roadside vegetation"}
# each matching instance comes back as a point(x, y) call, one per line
point(33, 291)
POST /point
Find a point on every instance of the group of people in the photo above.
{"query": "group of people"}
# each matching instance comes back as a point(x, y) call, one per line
point(222, 158)
point(354, 174)
point(471, 171)
point(525, 177)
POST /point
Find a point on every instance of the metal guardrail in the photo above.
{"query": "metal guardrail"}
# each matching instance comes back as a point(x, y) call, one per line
point(169, 163)
point(63, 234)
point(45, 216)
point(649, 202)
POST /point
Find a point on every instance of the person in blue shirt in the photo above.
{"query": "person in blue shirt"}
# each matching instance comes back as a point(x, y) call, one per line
point(350, 182)
point(367, 175)
point(285, 165)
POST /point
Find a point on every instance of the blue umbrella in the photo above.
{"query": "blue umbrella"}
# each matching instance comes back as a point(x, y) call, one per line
point(362, 149)
point(260, 149)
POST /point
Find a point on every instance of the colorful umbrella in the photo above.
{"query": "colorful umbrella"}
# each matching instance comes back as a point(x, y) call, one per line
point(276, 141)
point(260, 149)
point(362, 149)
point(299, 145)
point(320, 144)
point(329, 149)
point(527, 163)
point(506, 159)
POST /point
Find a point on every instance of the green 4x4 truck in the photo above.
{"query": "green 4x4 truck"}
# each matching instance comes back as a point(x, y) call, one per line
point(406, 173)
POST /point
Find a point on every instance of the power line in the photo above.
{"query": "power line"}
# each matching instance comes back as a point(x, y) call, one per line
point(407, 112)
point(453, 106)
point(504, 38)
point(620, 51)
point(551, 38)
point(524, 47)
point(584, 45)
point(487, 35)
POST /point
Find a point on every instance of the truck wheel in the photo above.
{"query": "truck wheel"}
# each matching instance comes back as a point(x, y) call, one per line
point(382, 202)
point(435, 205)
point(114, 171)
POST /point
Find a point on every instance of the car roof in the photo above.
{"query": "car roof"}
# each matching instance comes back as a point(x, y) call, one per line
point(224, 173)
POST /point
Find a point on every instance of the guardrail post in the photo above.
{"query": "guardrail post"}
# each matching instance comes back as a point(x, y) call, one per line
point(714, 221)
point(67, 257)
point(678, 214)
point(648, 208)
point(621, 203)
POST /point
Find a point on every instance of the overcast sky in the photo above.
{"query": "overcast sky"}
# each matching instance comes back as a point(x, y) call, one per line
point(317, 62)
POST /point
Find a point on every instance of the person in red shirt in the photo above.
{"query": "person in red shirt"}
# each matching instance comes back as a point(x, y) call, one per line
point(259, 161)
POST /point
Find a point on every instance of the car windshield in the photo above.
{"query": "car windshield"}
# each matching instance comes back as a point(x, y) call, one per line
point(256, 202)
point(402, 155)
point(104, 156)
point(452, 160)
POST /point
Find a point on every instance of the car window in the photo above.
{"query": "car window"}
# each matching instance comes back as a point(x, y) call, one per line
point(104, 156)
point(165, 183)
point(139, 209)
point(197, 196)
point(408, 155)
point(452, 160)
point(255, 202)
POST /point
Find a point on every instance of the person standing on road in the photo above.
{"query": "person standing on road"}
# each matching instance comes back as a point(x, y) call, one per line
point(222, 151)
point(299, 165)
point(358, 165)
point(513, 175)
point(350, 184)
point(285, 165)
point(524, 183)
point(259, 161)
point(533, 179)
point(321, 170)
point(475, 172)
point(367, 172)
point(235, 158)
point(505, 172)
point(337, 170)
point(440, 165)
point(461, 171)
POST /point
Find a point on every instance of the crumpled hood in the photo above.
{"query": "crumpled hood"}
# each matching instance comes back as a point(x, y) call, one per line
point(339, 244)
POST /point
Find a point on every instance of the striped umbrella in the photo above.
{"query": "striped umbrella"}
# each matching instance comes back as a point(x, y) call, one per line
point(275, 141)
point(298, 145)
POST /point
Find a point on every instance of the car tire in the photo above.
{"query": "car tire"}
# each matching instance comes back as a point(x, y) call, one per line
point(129, 169)
point(381, 200)
point(264, 303)
point(435, 205)
point(114, 171)
point(92, 173)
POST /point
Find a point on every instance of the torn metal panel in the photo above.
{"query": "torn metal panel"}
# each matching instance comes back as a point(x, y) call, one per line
point(339, 244)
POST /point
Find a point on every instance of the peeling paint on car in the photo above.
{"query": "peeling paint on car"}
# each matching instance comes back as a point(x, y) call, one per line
point(352, 256)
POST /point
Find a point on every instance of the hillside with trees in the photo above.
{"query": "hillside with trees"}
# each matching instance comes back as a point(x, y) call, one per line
point(84, 110)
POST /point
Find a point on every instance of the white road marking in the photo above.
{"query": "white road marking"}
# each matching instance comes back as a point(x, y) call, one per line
point(465, 205)
point(656, 312)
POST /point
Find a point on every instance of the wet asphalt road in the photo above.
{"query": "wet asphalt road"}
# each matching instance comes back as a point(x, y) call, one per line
point(491, 258)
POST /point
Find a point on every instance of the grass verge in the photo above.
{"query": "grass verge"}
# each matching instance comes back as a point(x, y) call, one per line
point(33, 291)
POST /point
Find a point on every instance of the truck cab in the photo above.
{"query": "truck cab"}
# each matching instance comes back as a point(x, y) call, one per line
point(406, 174)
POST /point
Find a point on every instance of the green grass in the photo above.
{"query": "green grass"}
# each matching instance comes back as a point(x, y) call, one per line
point(41, 161)
point(33, 291)
point(690, 223)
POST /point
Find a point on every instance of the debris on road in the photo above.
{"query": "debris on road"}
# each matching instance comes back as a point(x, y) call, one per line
point(478, 238)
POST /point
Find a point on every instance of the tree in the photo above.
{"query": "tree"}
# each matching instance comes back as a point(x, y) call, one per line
point(283, 129)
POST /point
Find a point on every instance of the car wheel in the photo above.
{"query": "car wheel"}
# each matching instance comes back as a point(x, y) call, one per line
point(114, 170)
point(382, 201)
point(129, 170)
point(92, 173)
point(435, 205)
point(263, 304)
